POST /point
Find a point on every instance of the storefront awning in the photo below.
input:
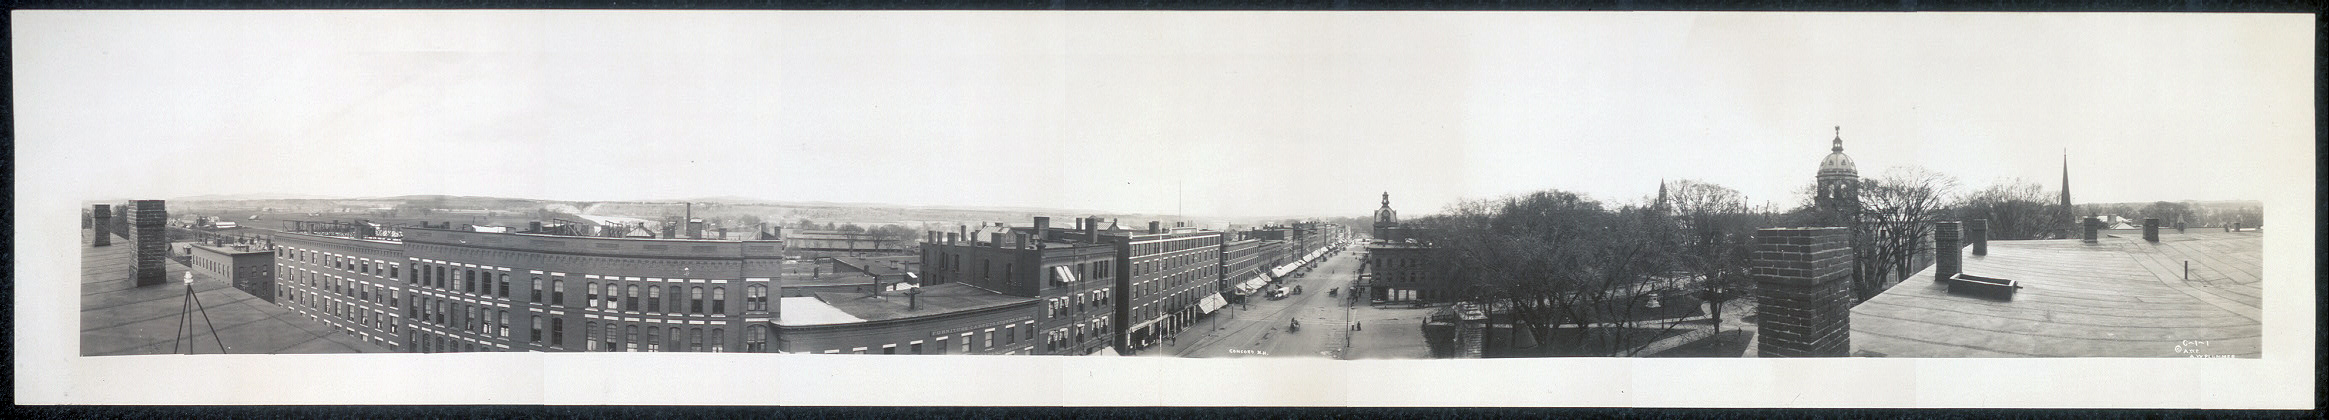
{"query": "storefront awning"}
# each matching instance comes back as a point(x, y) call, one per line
point(1253, 284)
point(1212, 302)
point(1065, 275)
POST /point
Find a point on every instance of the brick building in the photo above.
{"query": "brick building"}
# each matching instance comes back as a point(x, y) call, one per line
point(1069, 270)
point(248, 268)
point(1170, 280)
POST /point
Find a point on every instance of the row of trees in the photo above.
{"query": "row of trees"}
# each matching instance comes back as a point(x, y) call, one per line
point(1555, 259)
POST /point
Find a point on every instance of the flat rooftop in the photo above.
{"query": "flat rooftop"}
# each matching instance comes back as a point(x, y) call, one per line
point(2121, 297)
point(120, 319)
point(934, 300)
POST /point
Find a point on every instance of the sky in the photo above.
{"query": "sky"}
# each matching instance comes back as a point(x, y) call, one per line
point(1218, 113)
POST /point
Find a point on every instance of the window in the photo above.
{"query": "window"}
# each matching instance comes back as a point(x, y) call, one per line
point(718, 340)
point(756, 341)
point(537, 297)
point(695, 303)
point(504, 281)
point(675, 296)
point(654, 299)
point(558, 292)
point(392, 272)
point(889, 349)
point(631, 297)
point(719, 300)
point(536, 335)
point(939, 347)
point(631, 337)
point(756, 298)
point(695, 339)
point(441, 273)
point(504, 322)
point(917, 347)
point(611, 344)
point(990, 340)
point(674, 337)
point(589, 336)
point(557, 331)
point(654, 343)
point(394, 296)
point(469, 281)
point(590, 293)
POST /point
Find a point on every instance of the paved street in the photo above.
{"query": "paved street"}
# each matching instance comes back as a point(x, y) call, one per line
point(1258, 328)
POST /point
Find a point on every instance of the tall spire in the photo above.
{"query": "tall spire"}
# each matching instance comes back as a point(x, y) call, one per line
point(1839, 140)
point(2066, 180)
point(1661, 193)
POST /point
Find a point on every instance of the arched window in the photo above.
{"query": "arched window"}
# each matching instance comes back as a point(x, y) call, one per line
point(589, 336)
point(504, 283)
point(695, 303)
point(537, 283)
point(756, 339)
point(676, 295)
point(504, 324)
point(631, 297)
point(558, 291)
point(654, 343)
point(674, 338)
point(469, 281)
point(654, 299)
point(536, 333)
point(695, 338)
point(719, 300)
point(631, 337)
point(557, 331)
point(611, 344)
point(717, 340)
point(590, 295)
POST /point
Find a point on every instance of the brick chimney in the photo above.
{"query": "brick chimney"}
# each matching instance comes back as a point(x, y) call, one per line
point(1042, 228)
point(1155, 227)
point(102, 221)
point(2089, 229)
point(1979, 236)
point(1802, 293)
point(1946, 237)
point(2151, 229)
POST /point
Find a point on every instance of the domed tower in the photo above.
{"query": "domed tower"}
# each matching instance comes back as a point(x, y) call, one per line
point(1838, 196)
point(1385, 218)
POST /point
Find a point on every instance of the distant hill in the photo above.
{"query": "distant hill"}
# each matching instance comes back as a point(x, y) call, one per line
point(250, 197)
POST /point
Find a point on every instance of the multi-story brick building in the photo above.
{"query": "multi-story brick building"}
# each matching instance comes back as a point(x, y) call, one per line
point(349, 279)
point(250, 269)
point(1071, 271)
point(1242, 269)
point(1171, 278)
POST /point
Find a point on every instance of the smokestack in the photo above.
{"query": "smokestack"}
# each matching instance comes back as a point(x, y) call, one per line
point(950, 238)
point(1155, 227)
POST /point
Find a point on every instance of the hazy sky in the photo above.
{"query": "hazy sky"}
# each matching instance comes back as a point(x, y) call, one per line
point(1232, 114)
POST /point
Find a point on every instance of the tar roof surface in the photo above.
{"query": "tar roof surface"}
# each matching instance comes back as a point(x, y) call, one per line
point(118, 318)
point(939, 299)
point(2122, 297)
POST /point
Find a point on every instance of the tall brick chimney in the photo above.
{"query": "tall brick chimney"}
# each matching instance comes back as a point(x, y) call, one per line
point(1946, 237)
point(2151, 229)
point(1979, 236)
point(102, 221)
point(1042, 228)
point(1092, 229)
point(1802, 293)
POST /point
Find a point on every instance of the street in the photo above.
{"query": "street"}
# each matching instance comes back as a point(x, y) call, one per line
point(1259, 327)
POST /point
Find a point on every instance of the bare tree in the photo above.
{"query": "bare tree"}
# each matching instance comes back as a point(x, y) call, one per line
point(2015, 209)
point(1895, 224)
